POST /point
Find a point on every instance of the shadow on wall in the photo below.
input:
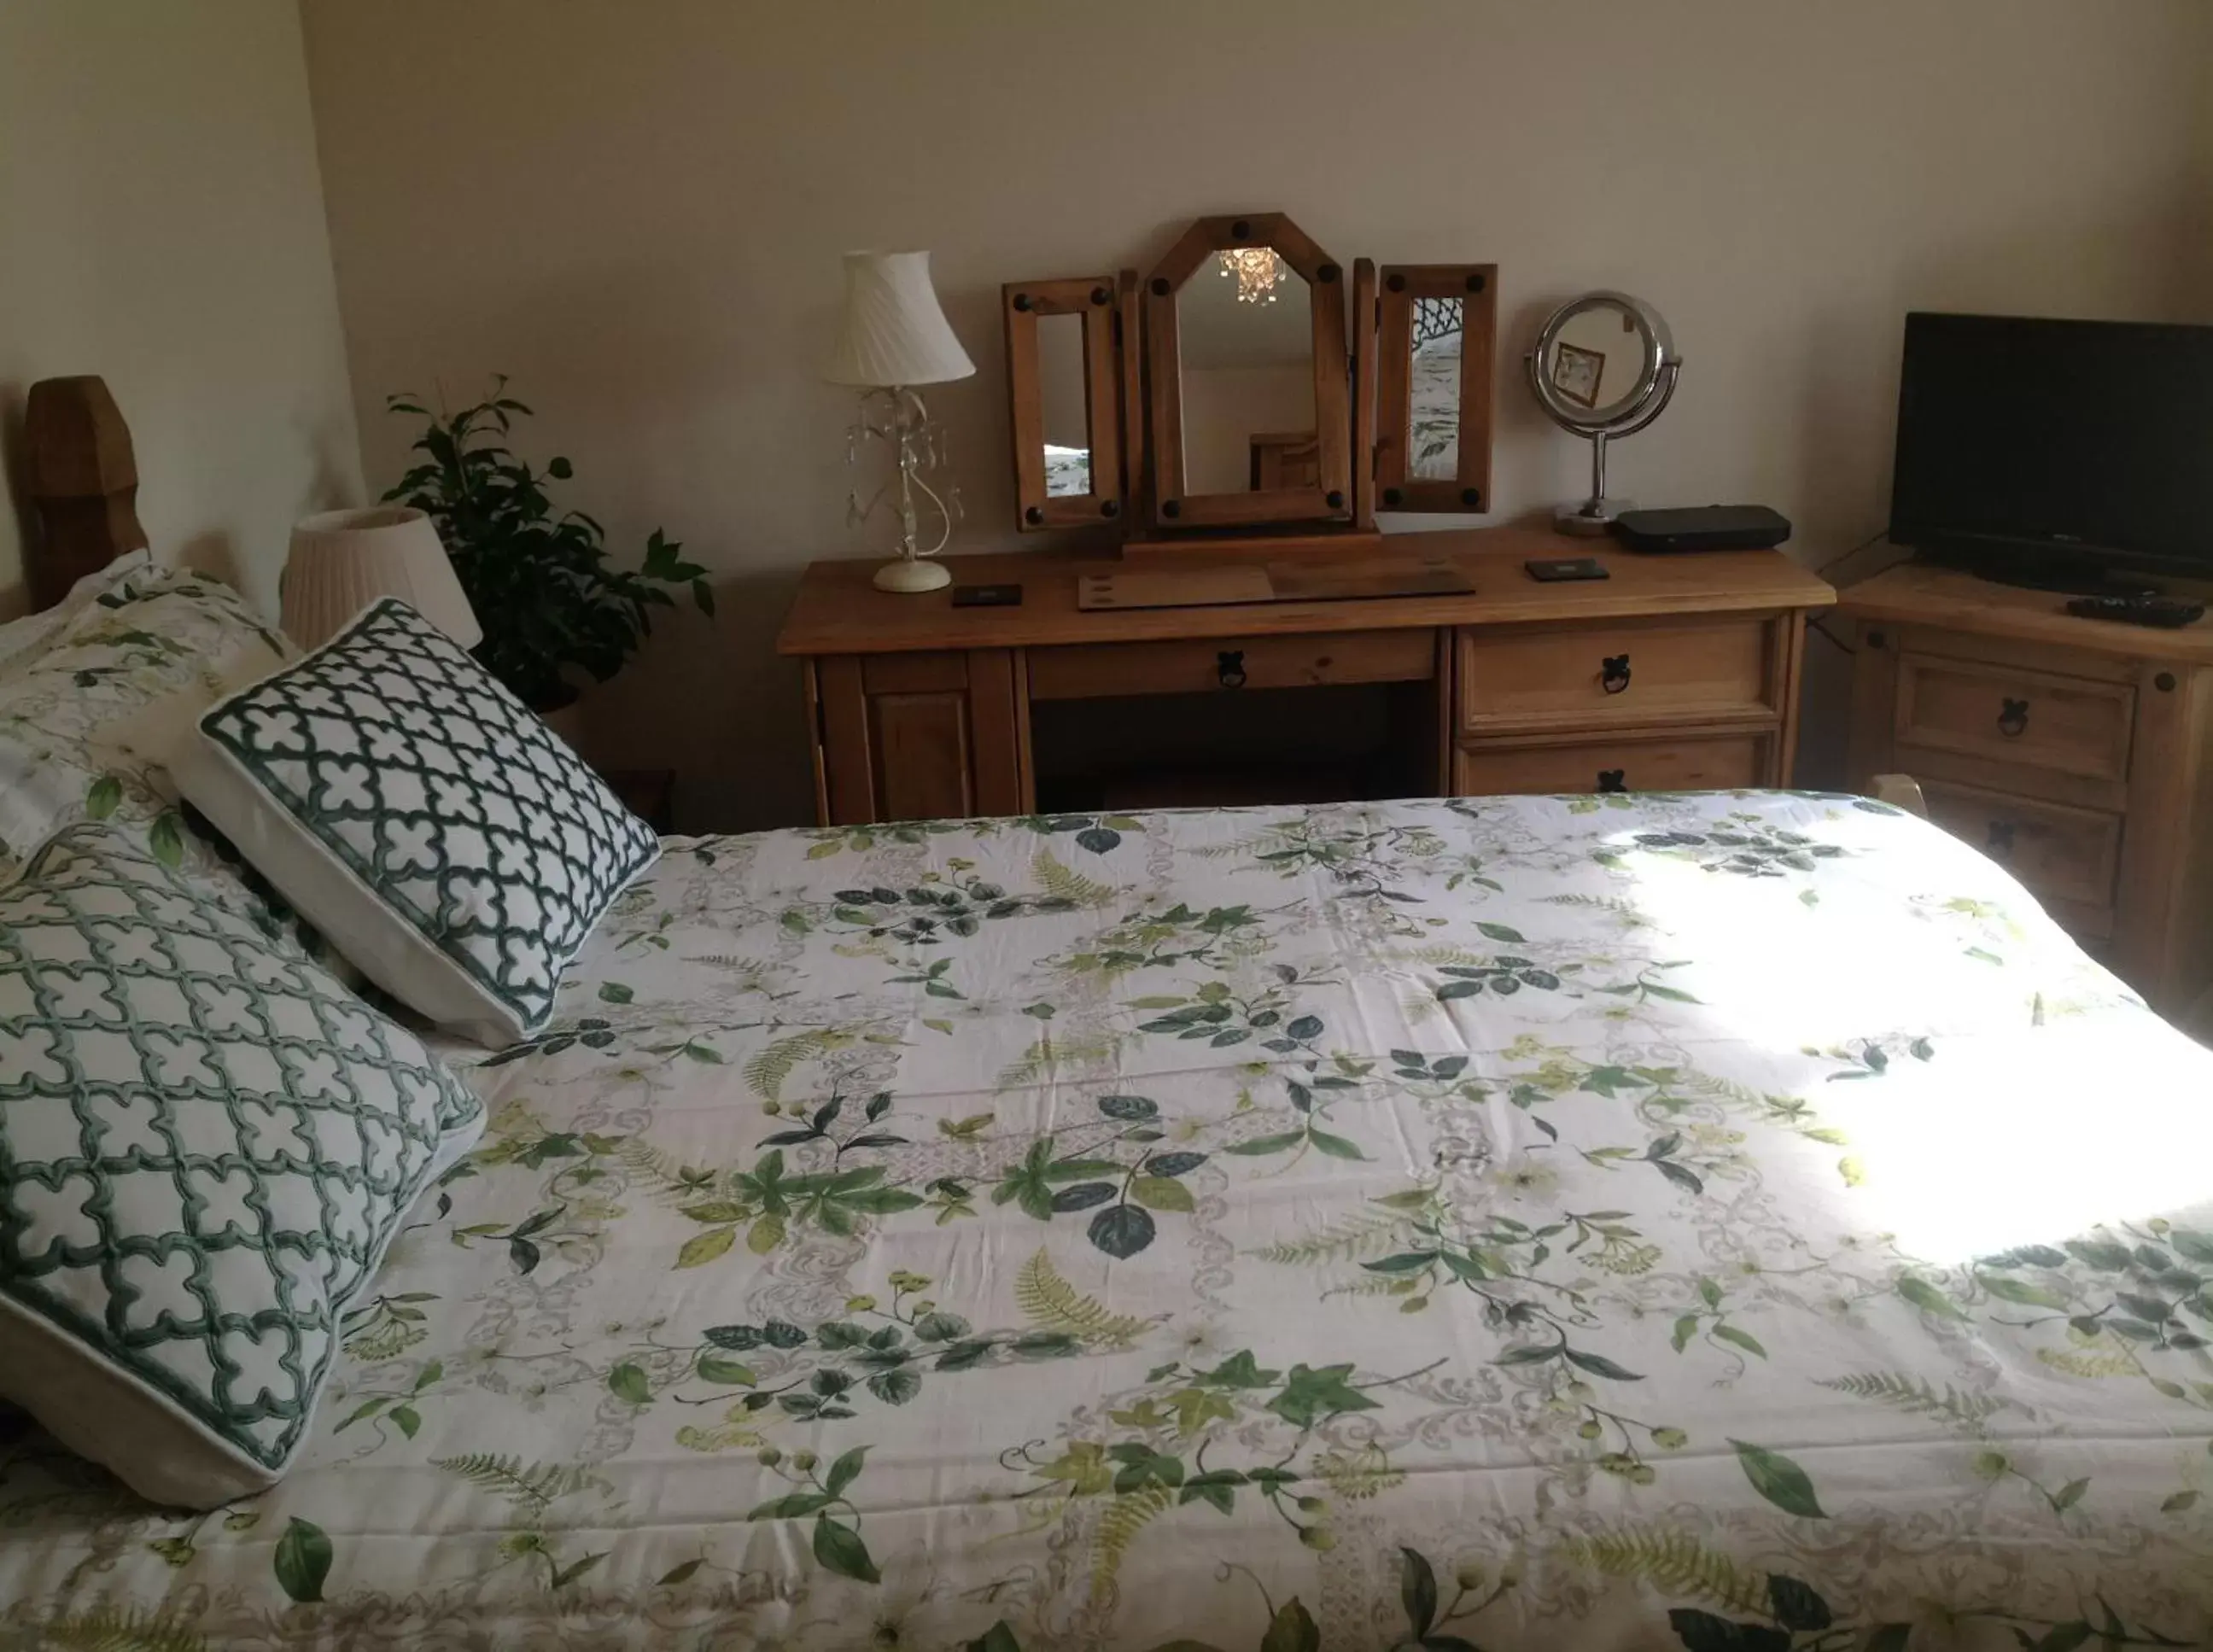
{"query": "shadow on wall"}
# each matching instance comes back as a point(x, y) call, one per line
point(213, 553)
point(712, 699)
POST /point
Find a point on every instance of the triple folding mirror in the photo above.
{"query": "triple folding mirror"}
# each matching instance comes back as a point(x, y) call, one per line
point(1271, 388)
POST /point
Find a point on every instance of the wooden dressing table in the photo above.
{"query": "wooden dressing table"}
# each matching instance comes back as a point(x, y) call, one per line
point(1140, 405)
point(1675, 673)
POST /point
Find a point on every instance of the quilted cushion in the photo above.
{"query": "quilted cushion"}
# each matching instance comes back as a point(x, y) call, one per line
point(206, 1143)
point(439, 834)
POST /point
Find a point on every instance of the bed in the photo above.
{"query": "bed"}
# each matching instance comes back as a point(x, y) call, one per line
point(1732, 1219)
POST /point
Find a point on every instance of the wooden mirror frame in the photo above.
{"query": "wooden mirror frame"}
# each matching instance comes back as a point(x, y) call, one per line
point(1331, 499)
point(1023, 303)
point(1476, 285)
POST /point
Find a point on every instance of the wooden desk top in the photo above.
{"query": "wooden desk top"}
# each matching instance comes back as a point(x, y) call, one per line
point(838, 611)
point(1920, 594)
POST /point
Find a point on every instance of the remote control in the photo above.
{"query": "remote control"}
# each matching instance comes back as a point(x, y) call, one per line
point(2148, 609)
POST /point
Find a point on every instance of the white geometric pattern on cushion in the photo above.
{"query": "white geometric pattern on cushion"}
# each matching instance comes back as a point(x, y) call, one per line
point(206, 1143)
point(441, 836)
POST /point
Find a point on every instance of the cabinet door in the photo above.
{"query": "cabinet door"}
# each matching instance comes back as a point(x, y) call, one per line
point(920, 736)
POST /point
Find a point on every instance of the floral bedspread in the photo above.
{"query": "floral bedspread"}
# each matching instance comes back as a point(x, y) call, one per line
point(1725, 1220)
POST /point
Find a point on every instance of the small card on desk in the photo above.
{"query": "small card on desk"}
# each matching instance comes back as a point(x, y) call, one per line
point(1549, 569)
point(987, 596)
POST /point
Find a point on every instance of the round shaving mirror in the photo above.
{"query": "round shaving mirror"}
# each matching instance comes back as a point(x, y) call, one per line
point(1604, 366)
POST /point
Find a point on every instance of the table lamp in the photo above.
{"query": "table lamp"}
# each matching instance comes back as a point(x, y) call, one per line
point(894, 337)
point(342, 561)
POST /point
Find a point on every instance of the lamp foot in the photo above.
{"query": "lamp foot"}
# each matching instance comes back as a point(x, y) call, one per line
point(913, 576)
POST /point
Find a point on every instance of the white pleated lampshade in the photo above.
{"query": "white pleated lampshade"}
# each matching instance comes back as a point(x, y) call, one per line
point(343, 560)
point(893, 332)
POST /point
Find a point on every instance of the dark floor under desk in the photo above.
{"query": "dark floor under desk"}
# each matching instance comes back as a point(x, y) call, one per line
point(1315, 745)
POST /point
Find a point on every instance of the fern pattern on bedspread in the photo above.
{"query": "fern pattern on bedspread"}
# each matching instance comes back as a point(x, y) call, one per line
point(1719, 1219)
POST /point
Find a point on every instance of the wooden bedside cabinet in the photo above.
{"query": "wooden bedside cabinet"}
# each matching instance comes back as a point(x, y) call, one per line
point(2076, 753)
point(1675, 673)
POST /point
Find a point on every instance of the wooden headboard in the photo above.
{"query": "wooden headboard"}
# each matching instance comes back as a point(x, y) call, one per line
point(83, 485)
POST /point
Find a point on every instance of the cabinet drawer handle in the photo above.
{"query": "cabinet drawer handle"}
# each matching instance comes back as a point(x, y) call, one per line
point(1612, 780)
point(1230, 666)
point(2013, 718)
point(1613, 672)
point(2000, 841)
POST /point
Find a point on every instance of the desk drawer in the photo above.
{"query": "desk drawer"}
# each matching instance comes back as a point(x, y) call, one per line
point(1714, 762)
point(1101, 670)
point(1617, 675)
point(2069, 857)
point(2011, 714)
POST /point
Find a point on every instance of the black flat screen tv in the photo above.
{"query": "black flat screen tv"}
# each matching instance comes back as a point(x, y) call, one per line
point(2055, 453)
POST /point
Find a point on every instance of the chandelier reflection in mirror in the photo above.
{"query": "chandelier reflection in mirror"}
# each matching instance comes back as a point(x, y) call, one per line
point(1256, 269)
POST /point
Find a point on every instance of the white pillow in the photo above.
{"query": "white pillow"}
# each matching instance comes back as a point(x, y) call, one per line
point(206, 1145)
point(25, 639)
point(124, 640)
point(436, 832)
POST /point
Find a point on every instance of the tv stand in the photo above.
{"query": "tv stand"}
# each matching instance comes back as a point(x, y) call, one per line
point(2078, 753)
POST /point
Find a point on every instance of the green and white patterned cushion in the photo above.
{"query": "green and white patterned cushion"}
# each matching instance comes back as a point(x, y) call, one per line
point(436, 831)
point(206, 1143)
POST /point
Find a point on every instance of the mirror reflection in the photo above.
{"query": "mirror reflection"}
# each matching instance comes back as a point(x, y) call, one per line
point(1598, 362)
point(1433, 403)
point(1064, 400)
point(1246, 322)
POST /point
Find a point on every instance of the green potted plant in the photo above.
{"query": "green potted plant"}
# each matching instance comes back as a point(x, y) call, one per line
point(551, 606)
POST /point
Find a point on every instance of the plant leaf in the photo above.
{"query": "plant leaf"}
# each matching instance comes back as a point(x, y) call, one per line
point(1293, 1630)
point(302, 1560)
point(1779, 1480)
point(1418, 1591)
point(1122, 1230)
point(703, 1247)
point(839, 1548)
point(1743, 1339)
point(1161, 1193)
point(1925, 1296)
point(1796, 1605)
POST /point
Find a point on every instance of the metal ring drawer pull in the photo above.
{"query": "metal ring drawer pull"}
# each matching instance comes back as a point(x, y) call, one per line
point(1230, 666)
point(2000, 841)
point(1612, 780)
point(2013, 718)
point(1613, 672)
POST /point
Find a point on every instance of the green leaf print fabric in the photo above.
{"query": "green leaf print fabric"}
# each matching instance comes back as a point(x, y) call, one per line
point(1713, 1221)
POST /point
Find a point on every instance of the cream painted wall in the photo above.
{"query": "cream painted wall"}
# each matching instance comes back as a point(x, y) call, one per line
point(1064, 405)
point(161, 225)
point(637, 208)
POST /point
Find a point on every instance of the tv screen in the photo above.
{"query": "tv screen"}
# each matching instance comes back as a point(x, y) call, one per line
point(2022, 439)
